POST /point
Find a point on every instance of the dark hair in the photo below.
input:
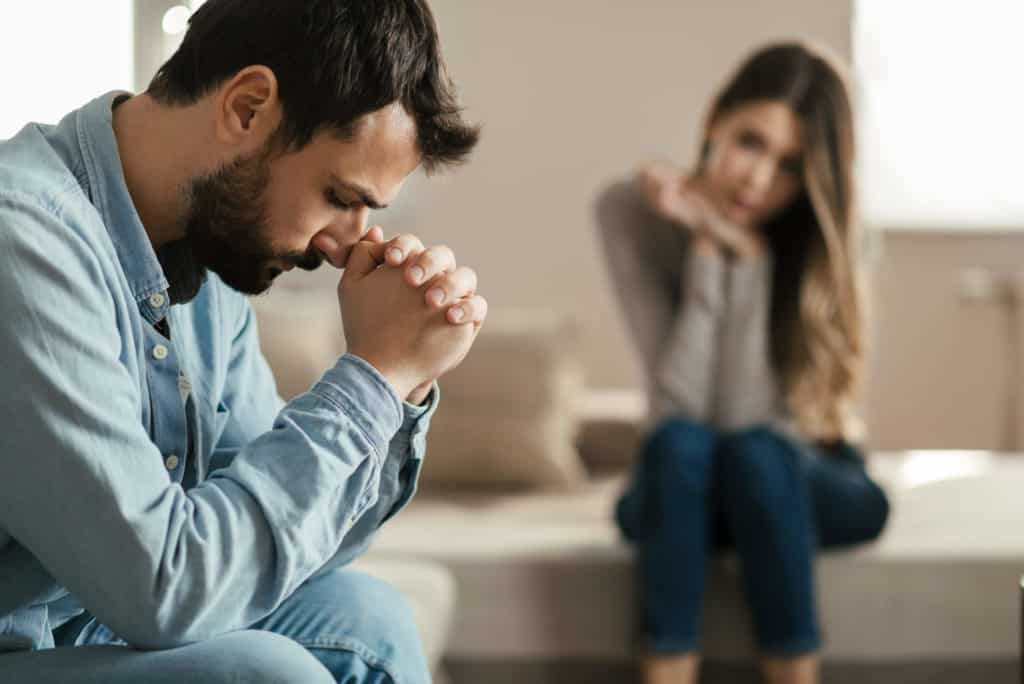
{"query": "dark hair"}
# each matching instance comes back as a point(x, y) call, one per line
point(335, 61)
point(817, 321)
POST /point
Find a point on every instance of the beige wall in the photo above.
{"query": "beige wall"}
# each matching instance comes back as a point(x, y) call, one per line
point(943, 364)
point(572, 93)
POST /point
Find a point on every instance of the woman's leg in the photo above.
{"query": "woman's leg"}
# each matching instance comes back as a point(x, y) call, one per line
point(782, 501)
point(768, 510)
point(849, 508)
point(667, 512)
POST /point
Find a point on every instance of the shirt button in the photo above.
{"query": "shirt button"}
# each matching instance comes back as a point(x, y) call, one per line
point(157, 300)
point(159, 352)
point(171, 462)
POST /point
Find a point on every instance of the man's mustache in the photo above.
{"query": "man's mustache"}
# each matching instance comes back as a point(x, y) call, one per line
point(310, 260)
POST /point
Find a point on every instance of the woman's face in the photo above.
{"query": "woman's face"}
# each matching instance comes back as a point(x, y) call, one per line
point(754, 167)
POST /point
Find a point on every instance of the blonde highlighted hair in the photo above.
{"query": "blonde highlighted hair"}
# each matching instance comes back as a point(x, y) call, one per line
point(818, 328)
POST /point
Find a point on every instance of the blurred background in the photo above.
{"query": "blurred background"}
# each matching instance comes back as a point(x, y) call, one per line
point(573, 93)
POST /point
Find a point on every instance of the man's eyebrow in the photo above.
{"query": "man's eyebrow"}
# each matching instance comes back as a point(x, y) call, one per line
point(364, 195)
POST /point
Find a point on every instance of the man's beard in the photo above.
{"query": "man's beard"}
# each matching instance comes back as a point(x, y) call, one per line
point(226, 232)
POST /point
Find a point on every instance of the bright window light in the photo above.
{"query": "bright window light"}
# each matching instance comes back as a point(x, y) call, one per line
point(941, 112)
point(58, 55)
point(176, 20)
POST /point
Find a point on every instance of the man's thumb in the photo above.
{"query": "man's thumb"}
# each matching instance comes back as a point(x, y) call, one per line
point(364, 259)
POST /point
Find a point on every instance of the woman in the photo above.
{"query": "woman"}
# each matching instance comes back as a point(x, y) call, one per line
point(741, 285)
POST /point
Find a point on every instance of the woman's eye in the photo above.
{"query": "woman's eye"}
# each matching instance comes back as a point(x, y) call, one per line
point(750, 140)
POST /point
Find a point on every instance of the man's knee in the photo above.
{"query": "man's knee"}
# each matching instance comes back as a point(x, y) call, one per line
point(258, 657)
point(369, 618)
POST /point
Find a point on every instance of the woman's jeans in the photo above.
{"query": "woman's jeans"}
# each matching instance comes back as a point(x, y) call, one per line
point(697, 490)
point(341, 626)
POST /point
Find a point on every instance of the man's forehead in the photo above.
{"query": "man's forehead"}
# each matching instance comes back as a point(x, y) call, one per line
point(377, 169)
point(392, 120)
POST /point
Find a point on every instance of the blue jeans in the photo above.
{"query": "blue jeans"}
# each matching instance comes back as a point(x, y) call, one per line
point(697, 491)
point(342, 626)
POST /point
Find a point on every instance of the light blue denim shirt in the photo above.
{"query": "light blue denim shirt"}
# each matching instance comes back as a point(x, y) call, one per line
point(96, 431)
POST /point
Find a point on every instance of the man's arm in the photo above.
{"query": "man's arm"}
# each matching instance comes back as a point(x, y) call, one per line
point(398, 482)
point(84, 489)
point(251, 396)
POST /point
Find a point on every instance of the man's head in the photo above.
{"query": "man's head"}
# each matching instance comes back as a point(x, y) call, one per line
point(322, 108)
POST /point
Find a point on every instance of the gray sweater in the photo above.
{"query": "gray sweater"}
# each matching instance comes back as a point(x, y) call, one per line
point(700, 323)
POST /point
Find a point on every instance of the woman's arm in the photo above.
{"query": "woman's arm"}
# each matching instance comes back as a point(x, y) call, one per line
point(669, 286)
point(747, 393)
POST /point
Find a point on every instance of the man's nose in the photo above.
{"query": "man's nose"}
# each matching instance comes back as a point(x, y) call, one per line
point(351, 226)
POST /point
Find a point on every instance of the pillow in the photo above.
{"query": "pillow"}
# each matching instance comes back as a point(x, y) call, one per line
point(300, 336)
point(467, 447)
point(612, 425)
point(507, 416)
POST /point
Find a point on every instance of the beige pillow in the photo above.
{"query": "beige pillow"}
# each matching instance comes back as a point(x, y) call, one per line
point(486, 449)
point(507, 417)
point(612, 427)
point(300, 336)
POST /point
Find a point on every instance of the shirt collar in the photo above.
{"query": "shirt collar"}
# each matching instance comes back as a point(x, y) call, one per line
point(109, 194)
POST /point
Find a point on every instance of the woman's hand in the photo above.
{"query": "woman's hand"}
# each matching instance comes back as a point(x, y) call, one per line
point(742, 241)
point(662, 186)
point(683, 199)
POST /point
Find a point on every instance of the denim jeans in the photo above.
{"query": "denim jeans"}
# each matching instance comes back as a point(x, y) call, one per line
point(697, 491)
point(342, 626)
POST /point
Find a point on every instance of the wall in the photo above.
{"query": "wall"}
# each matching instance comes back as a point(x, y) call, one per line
point(945, 363)
point(572, 93)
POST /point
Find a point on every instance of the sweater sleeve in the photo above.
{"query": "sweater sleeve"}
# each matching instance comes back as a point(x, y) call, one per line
point(671, 298)
point(747, 391)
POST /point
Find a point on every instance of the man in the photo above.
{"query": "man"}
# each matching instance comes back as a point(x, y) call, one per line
point(164, 517)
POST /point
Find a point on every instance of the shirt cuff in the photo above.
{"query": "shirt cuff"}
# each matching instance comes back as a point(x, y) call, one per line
point(415, 424)
point(405, 457)
point(366, 396)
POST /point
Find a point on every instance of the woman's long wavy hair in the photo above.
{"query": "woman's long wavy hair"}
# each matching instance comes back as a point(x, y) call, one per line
point(817, 311)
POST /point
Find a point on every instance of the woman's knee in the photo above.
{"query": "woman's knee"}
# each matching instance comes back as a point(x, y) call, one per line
point(759, 470)
point(872, 518)
point(679, 453)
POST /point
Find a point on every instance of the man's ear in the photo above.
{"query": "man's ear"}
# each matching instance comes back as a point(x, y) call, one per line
point(248, 110)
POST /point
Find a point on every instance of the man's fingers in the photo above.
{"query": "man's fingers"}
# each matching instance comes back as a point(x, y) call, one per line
point(364, 259)
point(399, 249)
point(469, 310)
point(451, 287)
point(428, 264)
point(375, 234)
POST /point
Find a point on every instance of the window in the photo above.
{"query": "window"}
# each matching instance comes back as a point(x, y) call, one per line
point(58, 55)
point(941, 113)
